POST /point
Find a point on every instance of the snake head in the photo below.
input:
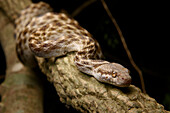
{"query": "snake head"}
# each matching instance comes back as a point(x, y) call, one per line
point(113, 73)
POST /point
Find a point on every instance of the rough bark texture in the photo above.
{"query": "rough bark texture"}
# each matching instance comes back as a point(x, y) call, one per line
point(86, 94)
point(82, 92)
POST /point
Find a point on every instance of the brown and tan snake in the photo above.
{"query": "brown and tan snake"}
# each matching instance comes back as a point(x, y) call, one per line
point(40, 32)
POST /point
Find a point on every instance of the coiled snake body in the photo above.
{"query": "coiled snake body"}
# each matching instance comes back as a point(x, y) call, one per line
point(45, 34)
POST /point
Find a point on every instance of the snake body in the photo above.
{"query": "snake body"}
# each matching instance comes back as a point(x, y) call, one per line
point(40, 32)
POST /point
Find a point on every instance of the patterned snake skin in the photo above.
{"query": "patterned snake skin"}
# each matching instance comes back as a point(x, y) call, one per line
point(40, 32)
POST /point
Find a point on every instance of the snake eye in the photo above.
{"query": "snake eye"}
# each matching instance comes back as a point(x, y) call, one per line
point(114, 74)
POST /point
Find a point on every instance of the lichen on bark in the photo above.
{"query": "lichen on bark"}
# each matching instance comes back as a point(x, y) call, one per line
point(81, 91)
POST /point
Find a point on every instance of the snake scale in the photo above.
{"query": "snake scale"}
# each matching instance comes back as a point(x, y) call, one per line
point(40, 32)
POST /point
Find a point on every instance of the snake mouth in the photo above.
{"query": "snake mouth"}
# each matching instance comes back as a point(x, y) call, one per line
point(123, 82)
point(126, 83)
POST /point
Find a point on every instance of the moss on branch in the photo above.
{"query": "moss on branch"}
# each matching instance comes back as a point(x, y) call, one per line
point(86, 94)
point(81, 91)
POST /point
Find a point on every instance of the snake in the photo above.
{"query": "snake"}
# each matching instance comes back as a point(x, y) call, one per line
point(43, 33)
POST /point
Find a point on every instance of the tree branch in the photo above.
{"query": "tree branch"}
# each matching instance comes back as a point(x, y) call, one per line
point(80, 8)
point(84, 92)
point(22, 90)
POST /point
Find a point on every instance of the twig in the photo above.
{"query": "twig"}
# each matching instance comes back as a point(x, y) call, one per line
point(84, 5)
point(125, 45)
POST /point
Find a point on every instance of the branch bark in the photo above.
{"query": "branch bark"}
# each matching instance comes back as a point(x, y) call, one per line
point(86, 94)
point(82, 92)
point(22, 90)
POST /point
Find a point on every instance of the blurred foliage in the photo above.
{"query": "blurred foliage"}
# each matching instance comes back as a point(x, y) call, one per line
point(110, 37)
point(140, 24)
point(166, 101)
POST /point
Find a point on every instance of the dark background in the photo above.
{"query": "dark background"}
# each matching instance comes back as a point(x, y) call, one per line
point(145, 28)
